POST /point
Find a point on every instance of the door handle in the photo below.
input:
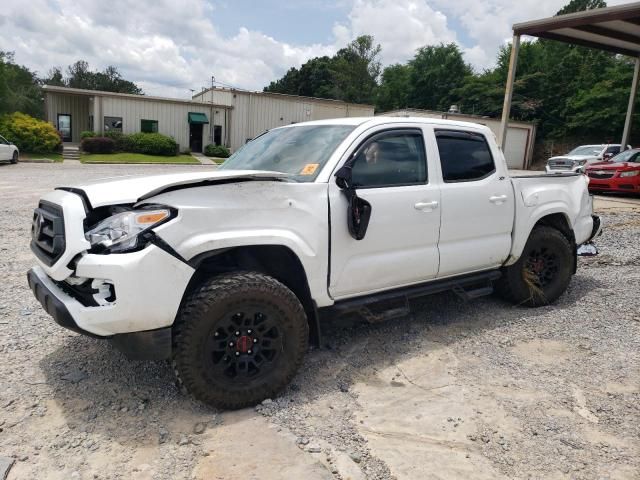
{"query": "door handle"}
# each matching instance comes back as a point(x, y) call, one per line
point(426, 206)
point(498, 199)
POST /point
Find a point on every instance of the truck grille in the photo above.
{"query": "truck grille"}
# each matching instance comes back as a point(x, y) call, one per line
point(560, 164)
point(47, 233)
point(600, 175)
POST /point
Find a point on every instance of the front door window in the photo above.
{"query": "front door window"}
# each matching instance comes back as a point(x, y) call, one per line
point(64, 126)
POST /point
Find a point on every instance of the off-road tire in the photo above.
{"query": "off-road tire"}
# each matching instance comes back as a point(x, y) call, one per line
point(206, 313)
point(519, 284)
point(14, 159)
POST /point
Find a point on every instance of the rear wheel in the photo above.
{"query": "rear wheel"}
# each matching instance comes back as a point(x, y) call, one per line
point(239, 339)
point(543, 271)
point(14, 159)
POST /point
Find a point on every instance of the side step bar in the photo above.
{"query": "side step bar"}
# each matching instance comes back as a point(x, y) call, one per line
point(467, 287)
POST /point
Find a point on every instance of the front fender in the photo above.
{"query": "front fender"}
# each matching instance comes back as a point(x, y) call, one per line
point(311, 261)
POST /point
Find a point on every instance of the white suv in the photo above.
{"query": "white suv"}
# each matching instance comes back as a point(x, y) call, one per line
point(579, 157)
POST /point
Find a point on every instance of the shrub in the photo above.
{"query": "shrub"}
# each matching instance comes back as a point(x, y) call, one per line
point(29, 134)
point(153, 144)
point(186, 151)
point(98, 145)
point(87, 134)
point(123, 142)
point(219, 151)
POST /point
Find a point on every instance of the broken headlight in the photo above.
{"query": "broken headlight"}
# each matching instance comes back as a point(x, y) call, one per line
point(120, 232)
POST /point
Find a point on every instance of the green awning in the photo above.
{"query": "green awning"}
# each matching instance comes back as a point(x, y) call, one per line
point(196, 117)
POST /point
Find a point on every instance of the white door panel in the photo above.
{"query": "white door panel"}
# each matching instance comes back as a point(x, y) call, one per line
point(401, 244)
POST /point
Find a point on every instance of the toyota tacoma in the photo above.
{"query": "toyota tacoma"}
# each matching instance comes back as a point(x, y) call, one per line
point(229, 273)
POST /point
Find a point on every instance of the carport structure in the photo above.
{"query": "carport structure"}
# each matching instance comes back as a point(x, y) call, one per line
point(613, 29)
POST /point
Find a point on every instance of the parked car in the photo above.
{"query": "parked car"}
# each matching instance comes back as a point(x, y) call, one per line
point(620, 174)
point(8, 151)
point(230, 272)
point(578, 158)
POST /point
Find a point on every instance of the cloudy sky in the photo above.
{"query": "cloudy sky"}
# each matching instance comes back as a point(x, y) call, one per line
point(170, 46)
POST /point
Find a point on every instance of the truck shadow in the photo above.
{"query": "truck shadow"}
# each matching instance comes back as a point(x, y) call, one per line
point(98, 391)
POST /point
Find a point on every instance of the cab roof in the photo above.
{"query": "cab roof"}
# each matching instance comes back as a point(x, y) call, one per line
point(382, 120)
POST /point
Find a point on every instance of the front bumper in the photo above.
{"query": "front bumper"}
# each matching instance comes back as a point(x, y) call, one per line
point(148, 284)
point(564, 169)
point(615, 184)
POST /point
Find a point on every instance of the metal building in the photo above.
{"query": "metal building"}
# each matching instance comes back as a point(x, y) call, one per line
point(219, 116)
point(518, 150)
point(251, 113)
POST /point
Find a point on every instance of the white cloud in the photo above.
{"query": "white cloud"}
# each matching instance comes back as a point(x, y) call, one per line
point(400, 26)
point(487, 23)
point(169, 46)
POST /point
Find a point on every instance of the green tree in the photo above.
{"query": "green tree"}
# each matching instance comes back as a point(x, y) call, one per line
point(350, 75)
point(436, 71)
point(19, 87)
point(393, 92)
point(79, 75)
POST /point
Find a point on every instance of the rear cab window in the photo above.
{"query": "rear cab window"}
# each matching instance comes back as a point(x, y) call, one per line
point(464, 156)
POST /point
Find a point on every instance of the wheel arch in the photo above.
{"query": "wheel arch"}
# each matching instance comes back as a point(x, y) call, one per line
point(277, 261)
point(557, 219)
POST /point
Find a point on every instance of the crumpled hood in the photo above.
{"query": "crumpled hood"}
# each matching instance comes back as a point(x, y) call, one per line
point(131, 189)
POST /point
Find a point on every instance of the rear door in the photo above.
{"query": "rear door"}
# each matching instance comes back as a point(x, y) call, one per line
point(401, 244)
point(477, 203)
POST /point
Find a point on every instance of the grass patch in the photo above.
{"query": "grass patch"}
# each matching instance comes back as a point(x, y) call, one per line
point(135, 158)
point(56, 157)
point(218, 160)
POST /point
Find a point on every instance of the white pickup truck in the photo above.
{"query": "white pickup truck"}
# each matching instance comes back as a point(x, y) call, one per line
point(229, 272)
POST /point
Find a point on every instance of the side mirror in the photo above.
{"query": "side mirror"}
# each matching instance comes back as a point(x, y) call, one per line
point(343, 177)
point(358, 209)
point(358, 215)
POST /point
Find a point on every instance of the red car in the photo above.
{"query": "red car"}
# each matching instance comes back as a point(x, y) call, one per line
point(620, 174)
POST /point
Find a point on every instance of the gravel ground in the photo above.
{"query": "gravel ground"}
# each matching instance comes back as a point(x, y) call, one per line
point(456, 390)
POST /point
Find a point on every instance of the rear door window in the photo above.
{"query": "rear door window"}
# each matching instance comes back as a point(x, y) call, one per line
point(464, 156)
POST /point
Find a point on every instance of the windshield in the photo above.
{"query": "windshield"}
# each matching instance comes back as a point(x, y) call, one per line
point(300, 151)
point(627, 156)
point(586, 150)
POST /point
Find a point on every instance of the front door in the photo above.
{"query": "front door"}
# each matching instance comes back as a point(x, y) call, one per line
point(64, 126)
point(401, 244)
point(195, 137)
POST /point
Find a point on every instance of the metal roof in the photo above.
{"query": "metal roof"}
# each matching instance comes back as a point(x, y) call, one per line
point(614, 29)
point(102, 93)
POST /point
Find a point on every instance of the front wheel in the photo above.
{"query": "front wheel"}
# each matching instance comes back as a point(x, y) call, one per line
point(14, 159)
point(238, 339)
point(543, 271)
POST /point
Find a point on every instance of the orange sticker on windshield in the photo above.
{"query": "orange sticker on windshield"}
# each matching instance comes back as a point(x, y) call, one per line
point(309, 169)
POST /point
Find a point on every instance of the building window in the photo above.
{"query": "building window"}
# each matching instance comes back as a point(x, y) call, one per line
point(149, 126)
point(113, 124)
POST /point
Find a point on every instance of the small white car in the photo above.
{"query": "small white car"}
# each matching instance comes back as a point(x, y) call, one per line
point(231, 272)
point(8, 151)
point(578, 158)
